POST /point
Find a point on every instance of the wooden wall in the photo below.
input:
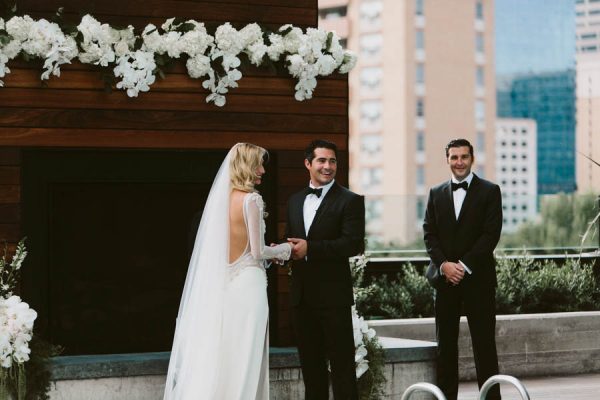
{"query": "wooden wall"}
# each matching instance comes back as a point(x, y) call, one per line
point(74, 111)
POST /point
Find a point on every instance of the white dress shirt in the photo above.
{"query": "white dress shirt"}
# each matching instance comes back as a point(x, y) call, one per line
point(312, 203)
point(460, 194)
point(459, 198)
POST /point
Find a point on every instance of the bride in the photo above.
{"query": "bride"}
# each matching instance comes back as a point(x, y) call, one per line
point(221, 344)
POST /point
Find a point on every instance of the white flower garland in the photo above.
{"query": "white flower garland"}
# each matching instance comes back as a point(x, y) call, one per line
point(215, 59)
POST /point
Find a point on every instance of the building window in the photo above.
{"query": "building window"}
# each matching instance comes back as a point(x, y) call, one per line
point(480, 142)
point(479, 42)
point(420, 108)
point(373, 208)
point(370, 112)
point(588, 36)
point(589, 49)
point(420, 73)
point(370, 144)
point(371, 177)
point(420, 176)
point(420, 39)
point(333, 12)
point(479, 111)
point(479, 77)
point(593, 12)
point(420, 208)
point(420, 141)
point(479, 10)
point(370, 13)
point(370, 45)
point(419, 7)
point(370, 78)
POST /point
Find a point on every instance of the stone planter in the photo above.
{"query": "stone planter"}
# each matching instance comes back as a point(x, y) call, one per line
point(528, 344)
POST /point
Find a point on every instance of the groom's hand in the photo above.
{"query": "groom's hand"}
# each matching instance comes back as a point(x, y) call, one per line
point(299, 249)
point(454, 272)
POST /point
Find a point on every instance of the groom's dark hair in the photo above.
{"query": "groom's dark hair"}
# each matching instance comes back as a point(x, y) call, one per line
point(459, 143)
point(309, 153)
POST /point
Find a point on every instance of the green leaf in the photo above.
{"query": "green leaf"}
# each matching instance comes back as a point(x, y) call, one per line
point(185, 27)
point(328, 41)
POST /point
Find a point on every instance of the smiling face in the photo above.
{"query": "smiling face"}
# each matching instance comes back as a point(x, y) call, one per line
point(460, 161)
point(260, 171)
point(323, 167)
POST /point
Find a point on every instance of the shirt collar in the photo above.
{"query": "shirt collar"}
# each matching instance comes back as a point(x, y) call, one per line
point(468, 179)
point(325, 187)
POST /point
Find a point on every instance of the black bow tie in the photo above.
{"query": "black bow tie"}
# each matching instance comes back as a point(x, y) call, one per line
point(315, 191)
point(463, 185)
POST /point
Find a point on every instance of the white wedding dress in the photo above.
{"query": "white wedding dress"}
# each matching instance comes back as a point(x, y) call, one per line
point(221, 346)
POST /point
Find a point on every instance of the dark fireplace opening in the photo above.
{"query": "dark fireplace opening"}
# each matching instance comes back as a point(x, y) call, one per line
point(109, 241)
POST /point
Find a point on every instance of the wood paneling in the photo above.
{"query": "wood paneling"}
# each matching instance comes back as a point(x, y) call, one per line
point(174, 139)
point(173, 82)
point(242, 103)
point(114, 11)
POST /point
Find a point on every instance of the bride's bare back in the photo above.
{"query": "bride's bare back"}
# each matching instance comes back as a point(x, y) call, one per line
point(238, 233)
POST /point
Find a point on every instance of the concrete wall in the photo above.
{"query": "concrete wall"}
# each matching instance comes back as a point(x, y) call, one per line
point(528, 344)
point(142, 376)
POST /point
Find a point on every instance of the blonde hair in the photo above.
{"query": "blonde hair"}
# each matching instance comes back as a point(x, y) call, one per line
point(246, 158)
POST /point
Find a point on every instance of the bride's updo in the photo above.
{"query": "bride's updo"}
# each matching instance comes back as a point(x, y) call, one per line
point(245, 160)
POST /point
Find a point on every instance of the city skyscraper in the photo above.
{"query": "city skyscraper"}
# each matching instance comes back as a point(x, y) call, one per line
point(535, 75)
point(425, 75)
point(588, 94)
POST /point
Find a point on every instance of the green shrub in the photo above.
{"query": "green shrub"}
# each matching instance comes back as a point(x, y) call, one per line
point(524, 286)
point(406, 295)
point(528, 287)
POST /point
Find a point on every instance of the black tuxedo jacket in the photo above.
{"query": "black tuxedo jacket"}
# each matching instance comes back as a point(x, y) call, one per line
point(336, 233)
point(470, 239)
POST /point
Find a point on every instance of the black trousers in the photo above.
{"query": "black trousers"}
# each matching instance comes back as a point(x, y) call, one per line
point(479, 304)
point(322, 334)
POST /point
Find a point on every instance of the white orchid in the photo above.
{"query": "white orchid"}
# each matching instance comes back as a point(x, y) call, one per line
point(361, 333)
point(16, 326)
point(136, 70)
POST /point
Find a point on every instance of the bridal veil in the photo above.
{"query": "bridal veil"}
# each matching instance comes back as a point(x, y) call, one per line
point(193, 365)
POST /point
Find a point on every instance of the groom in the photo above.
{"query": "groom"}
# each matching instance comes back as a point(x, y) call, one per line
point(462, 227)
point(326, 224)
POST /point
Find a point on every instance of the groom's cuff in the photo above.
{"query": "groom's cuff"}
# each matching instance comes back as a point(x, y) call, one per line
point(465, 267)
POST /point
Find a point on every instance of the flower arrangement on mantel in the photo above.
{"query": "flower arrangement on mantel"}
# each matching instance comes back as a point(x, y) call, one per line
point(135, 60)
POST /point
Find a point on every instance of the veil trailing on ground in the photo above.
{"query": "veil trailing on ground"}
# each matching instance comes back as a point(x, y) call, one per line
point(193, 365)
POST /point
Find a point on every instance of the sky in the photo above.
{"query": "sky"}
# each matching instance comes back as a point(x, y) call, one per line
point(534, 36)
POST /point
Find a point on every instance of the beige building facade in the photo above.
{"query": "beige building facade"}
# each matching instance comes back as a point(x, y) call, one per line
point(425, 75)
point(587, 139)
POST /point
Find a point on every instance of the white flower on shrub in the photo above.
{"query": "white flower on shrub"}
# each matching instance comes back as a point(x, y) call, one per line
point(361, 332)
point(136, 70)
point(16, 327)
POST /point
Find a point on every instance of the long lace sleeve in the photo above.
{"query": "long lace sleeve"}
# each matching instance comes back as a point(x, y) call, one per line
point(256, 231)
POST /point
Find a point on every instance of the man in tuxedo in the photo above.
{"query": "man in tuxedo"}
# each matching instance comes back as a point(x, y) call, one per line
point(326, 224)
point(461, 228)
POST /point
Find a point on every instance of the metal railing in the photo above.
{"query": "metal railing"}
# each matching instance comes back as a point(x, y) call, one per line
point(423, 387)
point(485, 388)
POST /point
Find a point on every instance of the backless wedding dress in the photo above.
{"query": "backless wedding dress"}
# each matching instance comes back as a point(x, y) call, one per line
point(220, 349)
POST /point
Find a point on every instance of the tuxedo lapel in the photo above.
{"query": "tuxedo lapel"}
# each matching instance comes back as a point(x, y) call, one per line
point(299, 215)
point(449, 197)
point(471, 194)
point(328, 200)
